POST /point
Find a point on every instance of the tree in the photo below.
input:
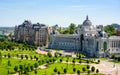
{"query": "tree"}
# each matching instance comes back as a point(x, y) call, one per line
point(87, 61)
point(83, 69)
point(56, 54)
point(79, 26)
point(21, 67)
point(36, 65)
point(9, 55)
point(35, 72)
point(60, 60)
point(78, 72)
point(36, 58)
point(79, 56)
point(54, 59)
point(65, 70)
point(80, 61)
point(66, 31)
point(74, 69)
point(27, 68)
point(25, 72)
point(67, 63)
point(113, 56)
point(22, 56)
point(55, 70)
point(31, 67)
point(72, 28)
point(31, 57)
point(9, 64)
point(16, 68)
point(0, 57)
point(88, 72)
point(67, 60)
point(97, 71)
point(49, 54)
point(5, 55)
point(17, 55)
point(110, 29)
point(8, 72)
point(88, 67)
point(10, 35)
point(58, 72)
point(47, 61)
point(98, 61)
point(26, 56)
point(92, 68)
point(73, 61)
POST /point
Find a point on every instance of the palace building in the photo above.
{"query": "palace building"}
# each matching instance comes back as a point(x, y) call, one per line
point(89, 40)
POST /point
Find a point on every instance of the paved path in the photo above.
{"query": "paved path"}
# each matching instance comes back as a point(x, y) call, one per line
point(105, 67)
point(108, 68)
point(42, 66)
point(44, 52)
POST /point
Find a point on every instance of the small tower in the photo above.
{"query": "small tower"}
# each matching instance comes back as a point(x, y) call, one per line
point(87, 17)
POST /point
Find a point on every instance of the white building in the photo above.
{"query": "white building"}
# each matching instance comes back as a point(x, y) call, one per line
point(65, 42)
point(87, 40)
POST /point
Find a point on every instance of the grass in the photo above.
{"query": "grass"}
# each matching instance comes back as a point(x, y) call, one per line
point(24, 52)
point(16, 61)
point(70, 59)
point(115, 61)
point(60, 67)
point(103, 58)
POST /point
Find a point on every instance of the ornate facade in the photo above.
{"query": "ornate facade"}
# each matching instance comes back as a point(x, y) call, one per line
point(33, 34)
point(65, 42)
point(88, 40)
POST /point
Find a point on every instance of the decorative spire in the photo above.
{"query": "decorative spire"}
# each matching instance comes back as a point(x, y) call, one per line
point(87, 17)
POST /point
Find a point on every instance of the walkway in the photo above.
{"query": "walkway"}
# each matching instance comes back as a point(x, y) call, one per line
point(106, 67)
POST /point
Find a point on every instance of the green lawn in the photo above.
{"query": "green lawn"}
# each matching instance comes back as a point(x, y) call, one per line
point(103, 58)
point(24, 52)
point(114, 61)
point(16, 61)
point(60, 67)
point(70, 59)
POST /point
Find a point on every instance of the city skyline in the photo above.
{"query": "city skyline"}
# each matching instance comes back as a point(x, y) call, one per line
point(61, 12)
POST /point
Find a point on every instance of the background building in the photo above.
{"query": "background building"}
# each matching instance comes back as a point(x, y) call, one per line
point(33, 34)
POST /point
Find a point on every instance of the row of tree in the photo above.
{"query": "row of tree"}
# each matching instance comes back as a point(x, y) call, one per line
point(69, 30)
point(110, 29)
point(6, 44)
point(26, 68)
point(78, 71)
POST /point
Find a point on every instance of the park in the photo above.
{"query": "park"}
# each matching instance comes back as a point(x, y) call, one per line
point(23, 59)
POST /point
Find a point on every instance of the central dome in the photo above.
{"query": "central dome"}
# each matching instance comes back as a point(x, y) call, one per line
point(87, 22)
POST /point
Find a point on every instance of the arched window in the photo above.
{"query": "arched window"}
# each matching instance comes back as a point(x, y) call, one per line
point(97, 46)
point(105, 46)
point(81, 39)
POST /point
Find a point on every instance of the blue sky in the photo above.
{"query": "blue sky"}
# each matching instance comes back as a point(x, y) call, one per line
point(61, 12)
